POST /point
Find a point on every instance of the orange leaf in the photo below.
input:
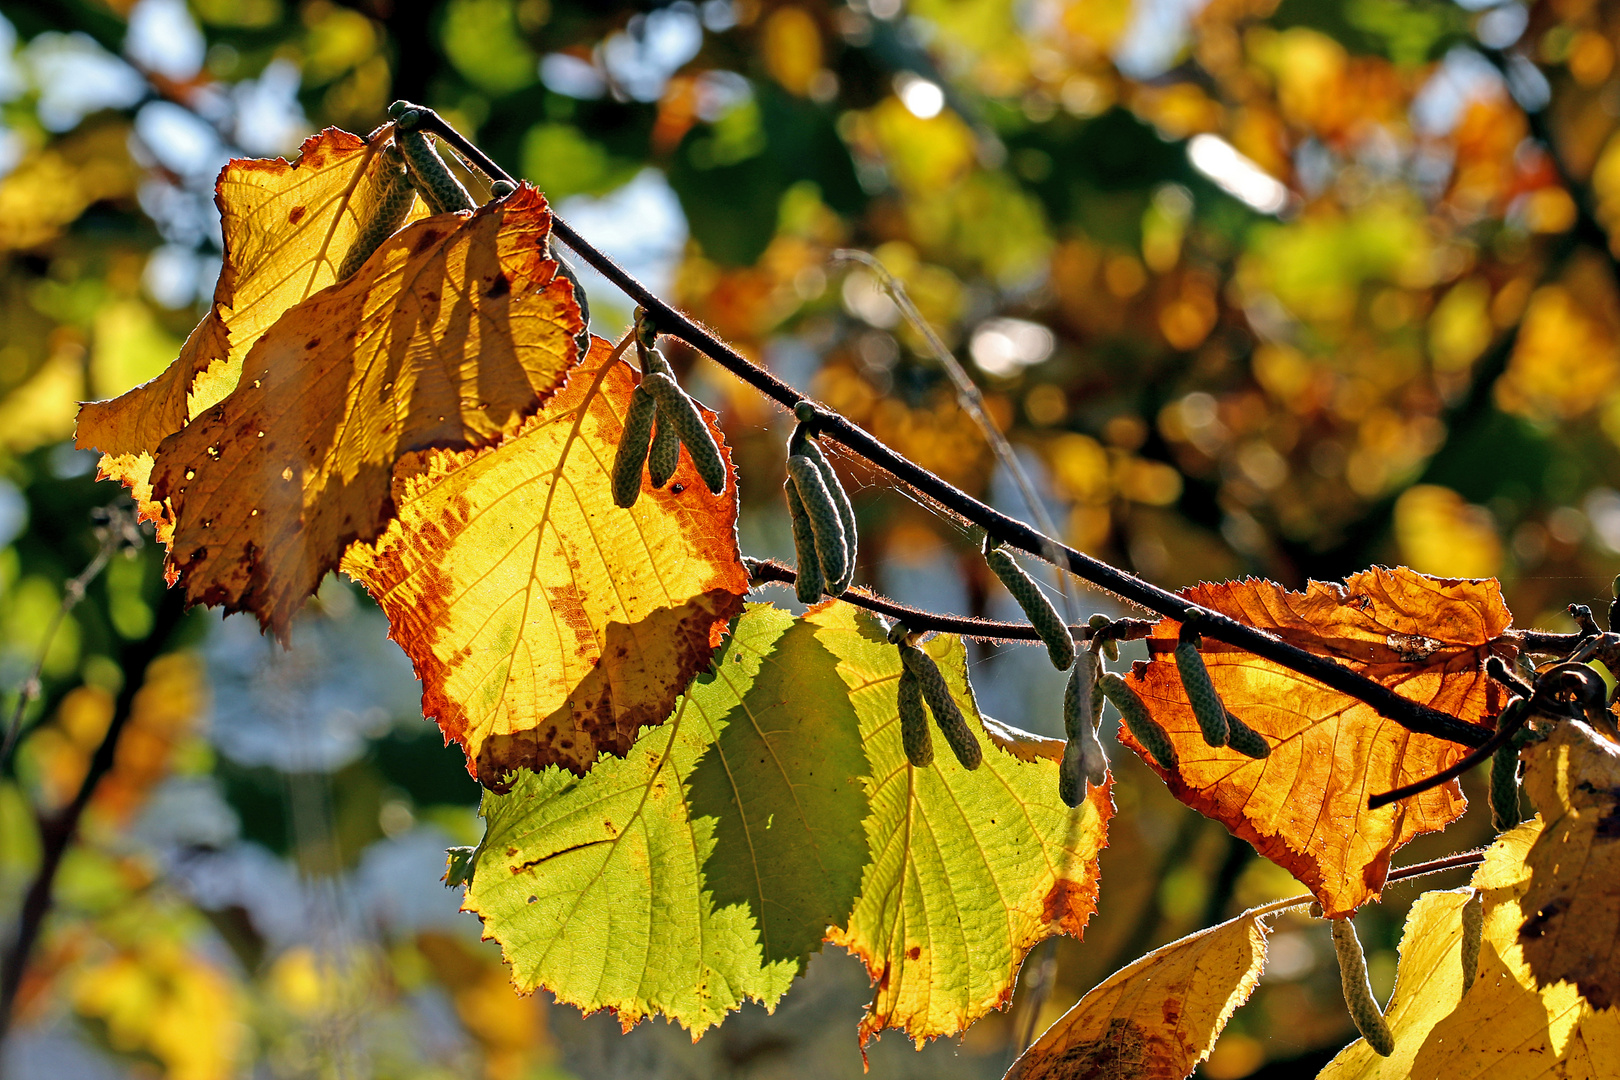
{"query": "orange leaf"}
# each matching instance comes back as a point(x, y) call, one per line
point(1305, 806)
point(286, 227)
point(547, 625)
point(452, 333)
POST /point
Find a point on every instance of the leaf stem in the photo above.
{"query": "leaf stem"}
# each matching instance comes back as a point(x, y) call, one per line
point(1411, 715)
point(1404, 873)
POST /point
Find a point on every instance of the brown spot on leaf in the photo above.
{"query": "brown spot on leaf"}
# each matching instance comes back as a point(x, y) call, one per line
point(296, 214)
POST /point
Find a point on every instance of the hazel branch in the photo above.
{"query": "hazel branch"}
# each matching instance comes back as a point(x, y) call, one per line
point(1007, 530)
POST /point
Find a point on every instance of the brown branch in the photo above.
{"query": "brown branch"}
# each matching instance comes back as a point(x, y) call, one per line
point(58, 830)
point(1411, 715)
point(773, 572)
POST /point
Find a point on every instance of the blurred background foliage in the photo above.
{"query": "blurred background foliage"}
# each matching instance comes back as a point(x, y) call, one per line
point(1255, 287)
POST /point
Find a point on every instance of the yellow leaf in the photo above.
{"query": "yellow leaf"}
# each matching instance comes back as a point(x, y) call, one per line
point(1571, 928)
point(1159, 1016)
point(452, 333)
point(286, 228)
point(547, 625)
point(1429, 985)
point(1503, 1028)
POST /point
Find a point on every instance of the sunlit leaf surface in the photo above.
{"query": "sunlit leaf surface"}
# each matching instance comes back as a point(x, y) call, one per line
point(1305, 806)
point(548, 625)
point(945, 841)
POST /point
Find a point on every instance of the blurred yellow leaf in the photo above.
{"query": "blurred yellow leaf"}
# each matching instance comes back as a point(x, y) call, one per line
point(41, 410)
point(166, 1001)
point(792, 48)
point(51, 188)
point(1567, 358)
point(1441, 534)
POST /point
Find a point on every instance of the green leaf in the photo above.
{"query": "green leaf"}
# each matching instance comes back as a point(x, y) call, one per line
point(703, 868)
point(969, 869)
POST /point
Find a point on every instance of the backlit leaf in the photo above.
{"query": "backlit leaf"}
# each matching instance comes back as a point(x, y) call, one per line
point(1157, 1017)
point(286, 228)
point(547, 625)
point(1305, 806)
point(969, 870)
point(1503, 1028)
point(450, 335)
point(1571, 910)
point(702, 869)
point(1428, 986)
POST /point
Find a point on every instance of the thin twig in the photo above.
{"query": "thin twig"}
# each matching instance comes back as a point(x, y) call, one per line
point(1477, 756)
point(769, 570)
point(1411, 715)
point(971, 401)
point(58, 830)
point(112, 539)
point(1404, 873)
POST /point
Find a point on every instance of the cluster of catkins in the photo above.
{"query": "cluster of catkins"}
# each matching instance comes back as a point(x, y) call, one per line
point(662, 419)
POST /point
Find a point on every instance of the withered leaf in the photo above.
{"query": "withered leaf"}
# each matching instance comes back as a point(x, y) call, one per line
point(286, 228)
point(449, 336)
point(1305, 806)
point(548, 625)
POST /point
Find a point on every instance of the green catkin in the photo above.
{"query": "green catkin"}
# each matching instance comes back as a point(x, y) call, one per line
point(1505, 773)
point(1083, 756)
point(947, 716)
point(1201, 693)
point(808, 581)
point(441, 191)
point(824, 521)
point(632, 452)
point(393, 205)
point(1473, 930)
point(1037, 608)
point(1244, 739)
point(681, 413)
point(802, 443)
point(1146, 730)
point(665, 455)
point(1110, 647)
point(914, 733)
point(1358, 995)
point(582, 340)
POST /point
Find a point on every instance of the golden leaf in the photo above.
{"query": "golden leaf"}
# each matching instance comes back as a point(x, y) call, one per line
point(450, 335)
point(286, 228)
point(1305, 806)
point(1504, 1027)
point(1571, 928)
point(547, 625)
point(1157, 1017)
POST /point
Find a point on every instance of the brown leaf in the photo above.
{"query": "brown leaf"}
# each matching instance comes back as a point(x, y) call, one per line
point(1157, 1018)
point(1571, 928)
point(549, 626)
point(1305, 806)
point(449, 336)
point(286, 228)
